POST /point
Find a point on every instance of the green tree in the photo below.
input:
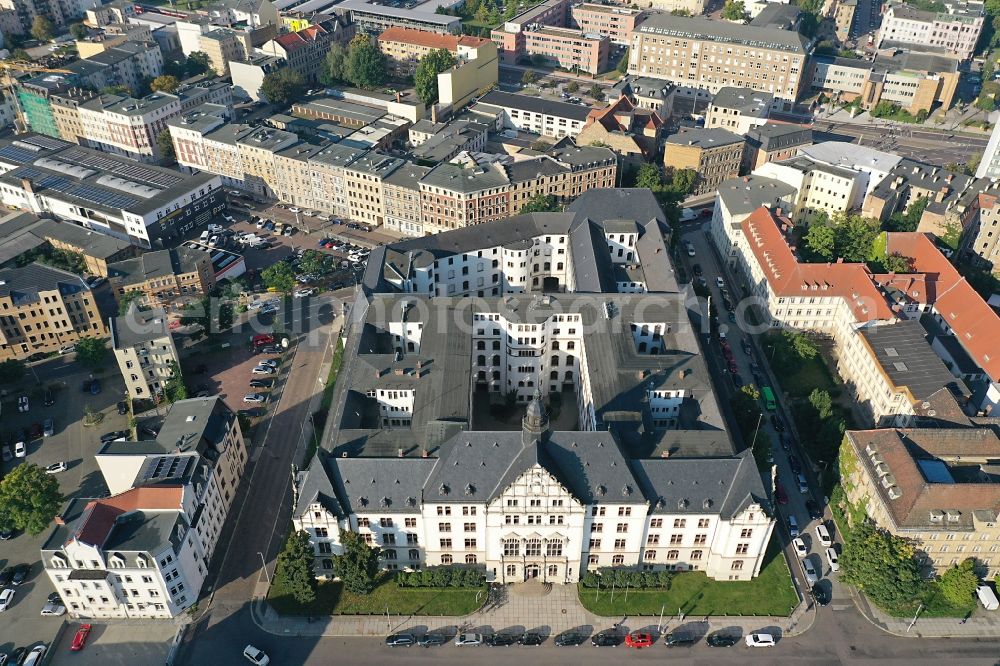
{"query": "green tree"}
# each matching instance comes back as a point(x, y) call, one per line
point(425, 80)
point(313, 262)
point(29, 499)
point(279, 277)
point(682, 182)
point(540, 203)
point(958, 584)
point(483, 14)
point(572, 87)
point(622, 67)
point(509, 10)
point(92, 353)
point(42, 29)
point(746, 409)
point(541, 145)
point(897, 263)
point(11, 370)
point(165, 83)
point(986, 103)
point(128, 298)
point(78, 30)
point(197, 63)
point(294, 570)
point(820, 241)
point(174, 388)
point(597, 92)
point(529, 76)
point(119, 89)
point(335, 65)
point(365, 66)
point(165, 144)
point(734, 10)
point(884, 109)
point(882, 565)
point(908, 220)
point(855, 236)
point(803, 345)
point(358, 566)
point(822, 403)
point(649, 176)
point(283, 86)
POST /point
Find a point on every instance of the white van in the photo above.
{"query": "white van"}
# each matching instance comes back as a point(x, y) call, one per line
point(204, 236)
point(987, 597)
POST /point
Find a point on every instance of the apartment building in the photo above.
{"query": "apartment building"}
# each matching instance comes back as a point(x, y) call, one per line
point(510, 36)
point(624, 127)
point(304, 51)
point(405, 47)
point(454, 196)
point(363, 183)
point(843, 18)
point(374, 18)
point(166, 278)
point(401, 192)
point(24, 232)
point(738, 110)
point(823, 190)
point(954, 31)
point(145, 351)
point(43, 309)
point(715, 154)
point(534, 114)
point(772, 142)
point(129, 64)
point(931, 485)
point(144, 551)
point(981, 238)
point(134, 202)
point(127, 126)
point(222, 46)
point(614, 22)
point(575, 50)
point(547, 31)
point(691, 7)
point(702, 53)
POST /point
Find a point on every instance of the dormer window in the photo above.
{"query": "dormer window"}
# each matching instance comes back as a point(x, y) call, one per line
point(59, 562)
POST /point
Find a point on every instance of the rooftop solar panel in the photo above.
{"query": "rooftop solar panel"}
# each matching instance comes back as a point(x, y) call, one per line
point(46, 142)
point(15, 154)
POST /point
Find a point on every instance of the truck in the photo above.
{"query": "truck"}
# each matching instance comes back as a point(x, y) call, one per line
point(987, 597)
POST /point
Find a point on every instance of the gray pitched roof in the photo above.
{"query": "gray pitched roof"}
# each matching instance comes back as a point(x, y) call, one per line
point(701, 485)
point(535, 105)
point(704, 138)
point(23, 284)
point(368, 485)
point(158, 263)
point(906, 357)
point(314, 486)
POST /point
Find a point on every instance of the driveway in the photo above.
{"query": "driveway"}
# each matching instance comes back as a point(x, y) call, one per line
point(76, 445)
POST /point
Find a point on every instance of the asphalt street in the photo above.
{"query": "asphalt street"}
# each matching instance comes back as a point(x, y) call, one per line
point(924, 144)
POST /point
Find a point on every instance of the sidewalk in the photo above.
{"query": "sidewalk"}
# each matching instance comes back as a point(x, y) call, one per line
point(981, 625)
point(530, 606)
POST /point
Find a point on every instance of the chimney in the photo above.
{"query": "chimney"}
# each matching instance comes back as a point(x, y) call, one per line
point(434, 113)
point(399, 98)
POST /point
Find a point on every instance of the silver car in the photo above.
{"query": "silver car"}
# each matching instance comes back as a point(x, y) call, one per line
point(467, 640)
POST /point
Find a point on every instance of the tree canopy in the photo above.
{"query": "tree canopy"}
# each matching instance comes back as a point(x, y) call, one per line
point(425, 79)
point(283, 86)
point(92, 353)
point(335, 65)
point(165, 144)
point(365, 64)
point(165, 83)
point(958, 584)
point(174, 388)
point(540, 203)
point(734, 10)
point(294, 571)
point(882, 565)
point(820, 242)
point(358, 566)
point(42, 29)
point(197, 63)
point(29, 499)
point(908, 220)
point(11, 370)
point(78, 30)
point(529, 76)
point(279, 276)
point(649, 175)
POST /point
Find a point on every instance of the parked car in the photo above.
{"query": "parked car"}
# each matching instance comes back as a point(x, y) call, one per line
point(7, 454)
point(263, 370)
point(53, 610)
point(20, 450)
point(531, 638)
point(261, 383)
point(823, 535)
point(254, 398)
point(760, 640)
point(268, 363)
point(67, 349)
point(500, 640)
point(803, 484)
point(80, 639)
point(22, 404)
point(35, 431)
point(303, 293)
point(780, 494)
point(269, 349)
point(122, 408)
point(6, 599)
point(17, 656)
point(721, 639)
point(638, 639)
point(56, 467)
point(719, 282)
point(468, 640)
point(675, 639)
point(821, 594)
point(400, 640)
point(569, 639)
point(432, 640)
point(85, 386)
point(811, 576)
point(21, 572)
point(606, 639)
point(256, 656)
point(113, 436)
point(832, 559)
point(95, 387)
point(793, 526)
point(800, 547)
point(815, 513)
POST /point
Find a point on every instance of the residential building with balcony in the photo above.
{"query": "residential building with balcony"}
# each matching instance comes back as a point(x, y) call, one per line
point(534, 114)
point(145, 351)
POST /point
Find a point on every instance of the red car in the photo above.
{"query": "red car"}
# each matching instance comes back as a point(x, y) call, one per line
point(733, 368)
point(80, 640)
point(638, 639)
point(780, 493)
point(262, 339)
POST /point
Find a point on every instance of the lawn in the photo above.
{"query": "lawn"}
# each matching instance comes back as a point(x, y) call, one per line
point(771, 593)
point(332, 599)
point(934, 605)
point(808, 374)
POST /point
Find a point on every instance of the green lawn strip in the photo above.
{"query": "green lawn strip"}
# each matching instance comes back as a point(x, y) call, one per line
point(693, 593)
point(332, 599)
point(934, 605)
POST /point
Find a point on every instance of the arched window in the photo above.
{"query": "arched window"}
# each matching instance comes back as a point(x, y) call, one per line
point(569, 376)
point(414, 554)
point(618, 560)
point(696, 554)
point(533, 548)
point(446, 559)
point(389, 554)
point(555, 345)
point(496, 345)
point(673, 554)
point(328, 564)
point(511, 547)
point(559, 266)
point(650, 555)
point(481, 344)
point(554, 374)
point(481, 360)
point(481, 376)
point(555, 359)
point(548, 265)
point(737, 565)
point(642, 347)
point(553, 570)
point(496, 359)
point(470, 559)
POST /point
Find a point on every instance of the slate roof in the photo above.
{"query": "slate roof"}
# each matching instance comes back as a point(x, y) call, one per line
point(156, 264)
point(704, 138)
point(745, 194)
point(313, 486)
point(748, 102)
point(138, 326)
point(725, 486)
point(905, 355)
point(723, 31)
point(771, 137)
point(23, 284)
point(392, 485)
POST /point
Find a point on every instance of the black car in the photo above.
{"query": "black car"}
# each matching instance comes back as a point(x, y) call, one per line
point(697, 269)
point(261, 383)
point(48, 399)
point(112, 436)
point(679, 640)
point(569, 639)
point(794, 463)
point(786, 442)
point(400, 640)
point(500, 640)
point(5, 575)
point(7, 535)
point(737, 379)
point(21, 572)
point(54, 598)
point(607, 639)
point(777, 423)
point(432, 640)
point(720, 639)
point(122, 407)
point(149, 431)
point(815, 513)
point(85, 387)
point(820, 594)
point(531, 638)
point(269, 349)
point(251, 413)
point(18, 655)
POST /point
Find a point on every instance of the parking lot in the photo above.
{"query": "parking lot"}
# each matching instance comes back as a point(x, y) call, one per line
point(119, 644)
point(74, 444)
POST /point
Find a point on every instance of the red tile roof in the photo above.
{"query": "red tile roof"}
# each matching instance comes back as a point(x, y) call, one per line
point(96, 523)
point(787, 276)
point(430, 40)
point(973, 321)
point(99, 516)
point(294, 40)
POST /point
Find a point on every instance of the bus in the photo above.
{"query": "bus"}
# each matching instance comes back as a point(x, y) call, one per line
point(768, 396)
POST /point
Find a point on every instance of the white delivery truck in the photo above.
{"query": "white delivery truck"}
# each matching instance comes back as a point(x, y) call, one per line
point(987, 597)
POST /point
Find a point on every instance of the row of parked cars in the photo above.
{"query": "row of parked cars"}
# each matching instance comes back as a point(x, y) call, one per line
point(22, 656)
point(609, 638)
point(265, 370)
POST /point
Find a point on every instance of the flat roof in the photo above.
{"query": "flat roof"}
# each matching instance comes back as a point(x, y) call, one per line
point(535, 105)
